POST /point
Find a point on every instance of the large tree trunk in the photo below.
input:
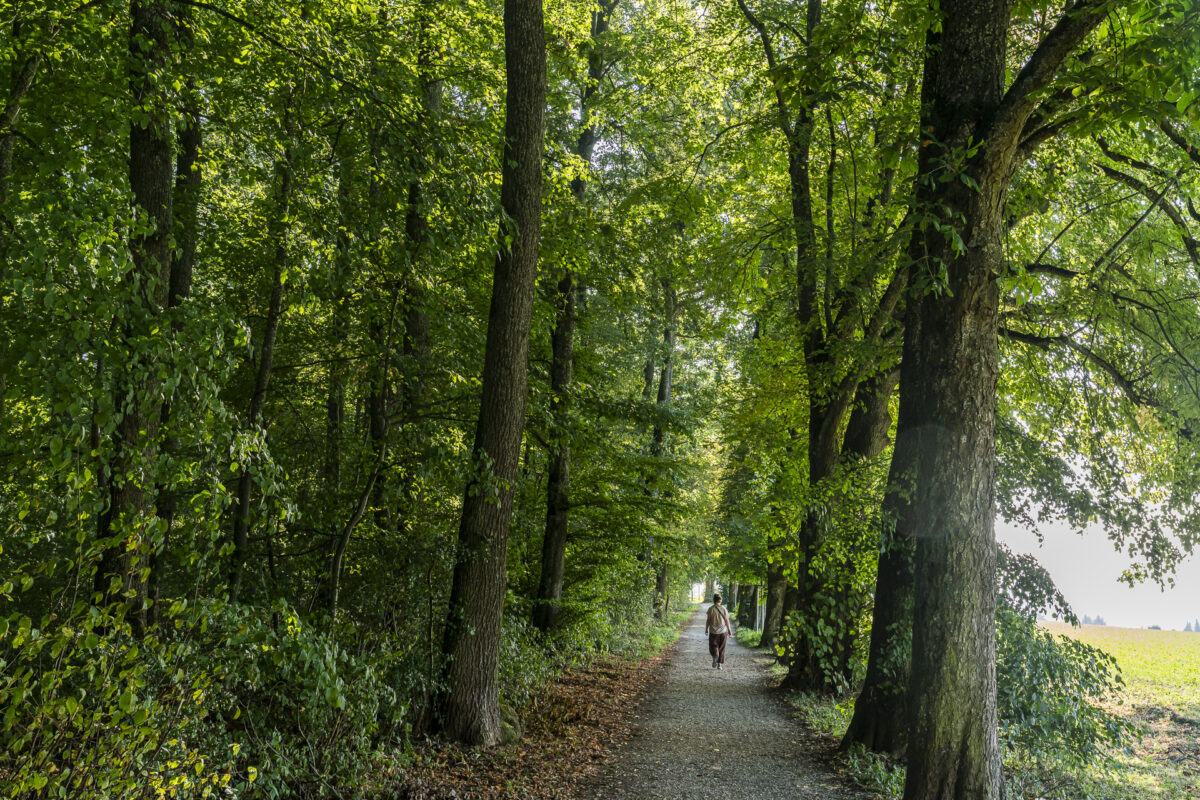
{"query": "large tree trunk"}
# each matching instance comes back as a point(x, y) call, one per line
point(953, 752)
point(470, 706)
point(122, 526)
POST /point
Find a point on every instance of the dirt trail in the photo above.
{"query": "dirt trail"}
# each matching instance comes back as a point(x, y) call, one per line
point(707, 733)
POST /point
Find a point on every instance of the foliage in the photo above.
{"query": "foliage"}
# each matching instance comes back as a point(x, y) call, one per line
point(345, 212)
point(1052, 690)
point(91, 710)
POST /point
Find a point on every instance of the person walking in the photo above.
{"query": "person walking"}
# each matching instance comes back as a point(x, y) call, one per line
point(717, 626)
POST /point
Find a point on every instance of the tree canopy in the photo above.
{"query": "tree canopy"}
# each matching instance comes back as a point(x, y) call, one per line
point(364, 363)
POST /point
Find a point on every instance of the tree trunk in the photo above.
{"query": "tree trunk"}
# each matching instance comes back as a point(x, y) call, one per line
point(284, 172)
point(333, 584)
point(186, 203)
point(747, 615)
point(122, 526)
point(661, 600)
point(335, 387)
point(558, 492)
point(416, 344)
point(562, 354)
point(967, 118)
point(953, 747)
point(880, 720)
point(773, 615)
point(470, 705)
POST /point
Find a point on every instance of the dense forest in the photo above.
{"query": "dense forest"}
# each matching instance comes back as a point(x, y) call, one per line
point(364, 364)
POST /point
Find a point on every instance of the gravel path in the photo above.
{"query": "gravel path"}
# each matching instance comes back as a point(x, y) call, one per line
point(706, 733)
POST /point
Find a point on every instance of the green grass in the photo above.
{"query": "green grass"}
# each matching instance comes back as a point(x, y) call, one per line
point(1162, 694)
point(748, 637)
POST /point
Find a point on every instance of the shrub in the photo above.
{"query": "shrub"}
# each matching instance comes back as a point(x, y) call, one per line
point(1050, 688)
point(90, 710)
point(305, 708)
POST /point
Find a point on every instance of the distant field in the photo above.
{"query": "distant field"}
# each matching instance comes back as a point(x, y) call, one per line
point(1162, 676)
point(1161, 667)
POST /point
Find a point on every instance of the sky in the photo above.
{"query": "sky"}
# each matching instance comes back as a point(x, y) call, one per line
point(1086, 569)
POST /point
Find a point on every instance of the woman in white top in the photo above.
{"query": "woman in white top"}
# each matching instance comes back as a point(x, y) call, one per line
point(717, 626)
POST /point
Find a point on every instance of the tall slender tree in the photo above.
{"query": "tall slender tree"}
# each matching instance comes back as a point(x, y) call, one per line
point(562, 354)
point(470, 703)
point(124, 526)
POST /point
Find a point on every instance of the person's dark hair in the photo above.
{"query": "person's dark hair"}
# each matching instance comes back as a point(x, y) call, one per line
point(716, 598)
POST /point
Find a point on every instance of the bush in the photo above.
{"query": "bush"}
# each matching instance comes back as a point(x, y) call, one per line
point(1050, 688)
point(306, 710)
point(524, 665)
point(93, 711)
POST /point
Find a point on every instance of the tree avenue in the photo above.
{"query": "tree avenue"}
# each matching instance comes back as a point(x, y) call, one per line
point(365, 366)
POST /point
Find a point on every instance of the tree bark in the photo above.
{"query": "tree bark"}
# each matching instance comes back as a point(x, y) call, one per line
point(278, 225)
point(562, 354)
point(123, 525)
point(470, 706)
point(953, 751)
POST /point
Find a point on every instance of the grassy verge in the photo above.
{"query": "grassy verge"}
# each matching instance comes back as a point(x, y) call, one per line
point(829, 717)
point(748, 637)
point(1162, 674)
point(1162, 695)
point(662, 635)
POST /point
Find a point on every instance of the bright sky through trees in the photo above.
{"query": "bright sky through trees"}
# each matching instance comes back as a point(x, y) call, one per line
point(1087, 569)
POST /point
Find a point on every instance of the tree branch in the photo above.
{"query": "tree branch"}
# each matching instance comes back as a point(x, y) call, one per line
point(781, 104)
point(1127, 386)
point(1158, 200)
point(1055, 48)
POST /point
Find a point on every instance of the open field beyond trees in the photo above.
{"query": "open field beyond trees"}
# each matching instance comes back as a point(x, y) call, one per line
point(1162, 676)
